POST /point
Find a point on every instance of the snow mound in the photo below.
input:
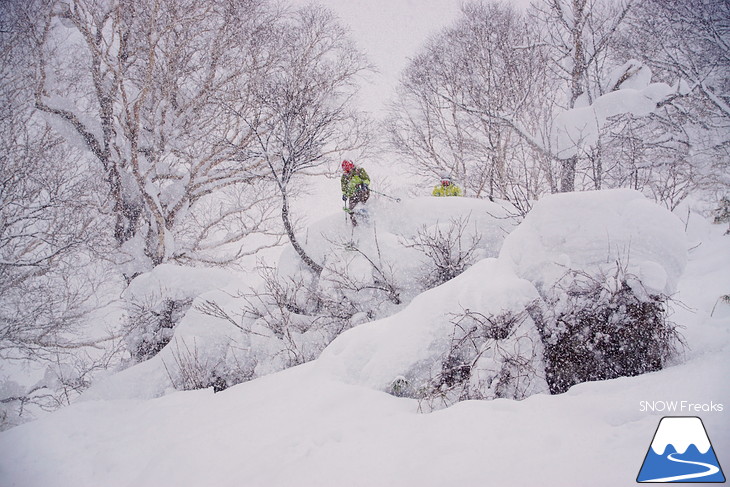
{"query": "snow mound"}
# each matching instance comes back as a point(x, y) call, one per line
point(414, 343)
point(390, 226)
point(174, 282)
point(153, 290)
point(591, 232)
point(233, 329)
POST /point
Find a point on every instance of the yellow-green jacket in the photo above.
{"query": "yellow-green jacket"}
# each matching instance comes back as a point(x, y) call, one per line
point(352, 180)
point(450, 190)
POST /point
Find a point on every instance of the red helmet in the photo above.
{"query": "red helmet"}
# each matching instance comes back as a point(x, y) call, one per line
point(347, 166)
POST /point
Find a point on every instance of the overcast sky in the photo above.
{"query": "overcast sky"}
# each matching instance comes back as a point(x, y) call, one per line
point(391, 31)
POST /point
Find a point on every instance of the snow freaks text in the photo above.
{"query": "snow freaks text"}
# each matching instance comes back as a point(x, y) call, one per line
point(679, 407)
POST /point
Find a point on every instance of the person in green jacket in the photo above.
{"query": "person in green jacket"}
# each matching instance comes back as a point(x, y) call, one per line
point(446, 188)
point(355, 184)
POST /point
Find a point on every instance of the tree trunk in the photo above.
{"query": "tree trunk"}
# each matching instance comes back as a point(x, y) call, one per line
point(316, 268)
point(567, 174)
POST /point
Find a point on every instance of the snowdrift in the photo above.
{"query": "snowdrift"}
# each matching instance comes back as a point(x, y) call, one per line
point(413, 344)
point(236, 328)
point(594, 231)
point(327, 423)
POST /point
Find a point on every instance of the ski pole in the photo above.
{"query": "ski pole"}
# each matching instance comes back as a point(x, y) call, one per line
point(383, 194)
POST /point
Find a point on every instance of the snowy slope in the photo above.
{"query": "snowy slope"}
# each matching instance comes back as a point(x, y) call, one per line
point(412, 342)
point(385, 240)
point(301, 427)
point(319, 425)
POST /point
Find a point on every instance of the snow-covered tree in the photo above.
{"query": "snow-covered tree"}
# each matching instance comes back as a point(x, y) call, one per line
point(484, 64)
point(156, 92)
point(687, 42)
point(51, 237)
point(304, 114)
point(579, 34)
point(519, 106)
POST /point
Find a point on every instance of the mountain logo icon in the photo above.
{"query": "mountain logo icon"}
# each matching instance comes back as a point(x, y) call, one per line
point(681, 452)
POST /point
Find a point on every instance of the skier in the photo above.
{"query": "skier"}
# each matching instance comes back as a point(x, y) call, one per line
point(355, 184)
point(446, 188)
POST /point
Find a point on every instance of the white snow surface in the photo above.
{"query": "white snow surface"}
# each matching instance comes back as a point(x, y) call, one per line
point(593, 230)
point(328, 423)
point(412, 343)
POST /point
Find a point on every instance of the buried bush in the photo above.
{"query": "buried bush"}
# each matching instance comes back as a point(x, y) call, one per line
point(194, 368)
point(490, 357)
point(449, 250)
point(150, 325)
point(283, 322)
point(603, 327)
point(722, 212)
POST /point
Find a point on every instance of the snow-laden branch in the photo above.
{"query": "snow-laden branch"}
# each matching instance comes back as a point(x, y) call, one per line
point(719, 102)
point(579, 128)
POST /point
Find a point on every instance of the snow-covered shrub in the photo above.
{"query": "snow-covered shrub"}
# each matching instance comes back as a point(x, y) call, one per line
point(361, 274)
point(491, 356)
point(470, 338)
point(283, 321)
point(605, 264)
point(16, 400)
point(283, 306)
point(156, 301)
point(150, 325)
point(722, 212)
point(725, 298)
point(51, 386)
point(192, 368)
point(603, 327)
point(448, 248)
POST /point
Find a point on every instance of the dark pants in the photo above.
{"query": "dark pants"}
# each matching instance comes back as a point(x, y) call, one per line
point(360, 196)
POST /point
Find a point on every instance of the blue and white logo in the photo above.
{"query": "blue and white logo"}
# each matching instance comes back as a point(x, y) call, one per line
point(681, 452)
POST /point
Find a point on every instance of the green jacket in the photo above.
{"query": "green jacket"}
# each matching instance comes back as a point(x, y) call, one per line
point(450, 190)
point(350, 181)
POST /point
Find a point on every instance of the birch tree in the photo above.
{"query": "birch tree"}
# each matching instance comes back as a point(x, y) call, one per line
point(148, 88)
point(530, 104)
point(688, 42)
point(49, 229)
point(460, 97)
point(52, 238)
point(305, 115)
point(579, 34)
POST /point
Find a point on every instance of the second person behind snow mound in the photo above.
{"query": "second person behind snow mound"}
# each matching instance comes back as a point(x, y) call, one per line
point(355, 184)
point(446, 188)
